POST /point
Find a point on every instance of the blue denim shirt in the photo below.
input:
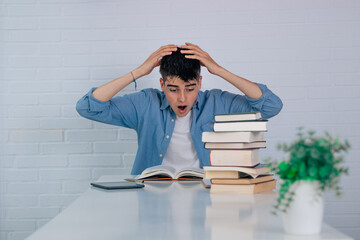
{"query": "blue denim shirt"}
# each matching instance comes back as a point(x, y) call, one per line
point(148, 112)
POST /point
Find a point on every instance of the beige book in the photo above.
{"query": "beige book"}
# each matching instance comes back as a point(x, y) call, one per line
point(221, 174)
point(244, 189)
point(235, 172)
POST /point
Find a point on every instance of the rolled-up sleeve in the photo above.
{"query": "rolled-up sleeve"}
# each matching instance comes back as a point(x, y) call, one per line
point(268, 104)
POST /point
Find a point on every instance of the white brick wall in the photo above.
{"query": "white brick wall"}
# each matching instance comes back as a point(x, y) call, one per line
point(53, 52)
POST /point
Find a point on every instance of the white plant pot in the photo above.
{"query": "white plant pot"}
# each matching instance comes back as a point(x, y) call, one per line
point(305, 213)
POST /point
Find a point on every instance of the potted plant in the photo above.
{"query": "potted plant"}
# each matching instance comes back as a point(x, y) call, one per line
point(313, 166)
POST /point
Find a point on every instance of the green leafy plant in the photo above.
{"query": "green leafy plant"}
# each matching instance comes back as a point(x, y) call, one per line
point(311, 158)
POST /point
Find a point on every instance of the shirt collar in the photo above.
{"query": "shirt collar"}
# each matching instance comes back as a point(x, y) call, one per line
point(164, 102)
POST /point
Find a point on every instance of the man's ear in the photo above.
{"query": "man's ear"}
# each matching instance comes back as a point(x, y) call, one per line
point(199, 82)
point(162, 84)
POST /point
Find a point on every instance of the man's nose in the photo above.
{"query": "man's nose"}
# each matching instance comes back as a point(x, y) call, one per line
point(181, 96)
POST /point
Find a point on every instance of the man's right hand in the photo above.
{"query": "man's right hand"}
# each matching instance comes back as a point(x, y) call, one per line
point(110, 89)
point(154, 60)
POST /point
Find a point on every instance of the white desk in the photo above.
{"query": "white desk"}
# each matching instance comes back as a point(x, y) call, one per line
point(166, 210)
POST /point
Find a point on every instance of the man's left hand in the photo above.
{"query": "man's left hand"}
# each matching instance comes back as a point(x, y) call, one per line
point(195, 52)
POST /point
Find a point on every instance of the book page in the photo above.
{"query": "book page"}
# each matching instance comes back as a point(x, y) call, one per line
point(157, 170)
point(191, 172)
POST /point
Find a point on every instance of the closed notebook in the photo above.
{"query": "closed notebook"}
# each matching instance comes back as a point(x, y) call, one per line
point(232, 157)
point(244, 189)
point(233, 137)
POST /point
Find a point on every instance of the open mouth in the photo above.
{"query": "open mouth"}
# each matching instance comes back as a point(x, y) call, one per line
point(182, 108)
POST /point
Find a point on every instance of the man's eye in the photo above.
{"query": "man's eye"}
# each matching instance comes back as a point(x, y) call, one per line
point(190, 89)
point(172, 90)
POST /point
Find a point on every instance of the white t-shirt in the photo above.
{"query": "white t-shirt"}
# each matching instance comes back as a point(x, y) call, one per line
point(181, 152)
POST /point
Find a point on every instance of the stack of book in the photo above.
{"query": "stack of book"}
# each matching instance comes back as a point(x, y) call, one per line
point(234, 155)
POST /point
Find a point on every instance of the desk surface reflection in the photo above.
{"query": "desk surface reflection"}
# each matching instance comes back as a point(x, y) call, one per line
point(169, 210)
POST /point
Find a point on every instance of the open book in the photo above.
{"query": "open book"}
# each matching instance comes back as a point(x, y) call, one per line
point(161, 172)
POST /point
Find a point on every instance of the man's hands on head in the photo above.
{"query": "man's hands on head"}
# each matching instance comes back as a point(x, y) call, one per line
point(191, 51)
point(154, 60)
point(195, 52)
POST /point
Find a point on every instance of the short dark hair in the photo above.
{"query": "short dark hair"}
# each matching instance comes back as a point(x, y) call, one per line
point(176, 65)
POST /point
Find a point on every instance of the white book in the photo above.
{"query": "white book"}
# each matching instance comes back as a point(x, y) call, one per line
point(233, 117)
point(238, 137)
point(234, 145)
point(234, 157)
point(246, 126)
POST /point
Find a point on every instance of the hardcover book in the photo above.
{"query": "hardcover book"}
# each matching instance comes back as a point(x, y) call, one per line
point(244, 126)
point(234, 145)
point(244, 180)
point(235, 172)
point(234, 117)
point(234, 137)
point(232, 157)
point(244, 189)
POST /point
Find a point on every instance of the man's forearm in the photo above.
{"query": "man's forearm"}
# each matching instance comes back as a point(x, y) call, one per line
point(249, 88)
point(109, 90)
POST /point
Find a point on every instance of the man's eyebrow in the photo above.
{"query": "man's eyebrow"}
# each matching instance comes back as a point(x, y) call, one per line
point(176, 86)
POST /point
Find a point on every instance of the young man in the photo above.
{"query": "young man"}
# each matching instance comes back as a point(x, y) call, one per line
point(169, 123)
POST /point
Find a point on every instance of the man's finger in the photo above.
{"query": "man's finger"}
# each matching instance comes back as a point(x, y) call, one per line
point(193, 57)
point(193, 52)
point(192, 48)
point(173, 47)
point(187, 47)
point(170, 48)
point(169, 45)
point(187, 43)
point(164, 54)
point(164, 50)
point(190, 45)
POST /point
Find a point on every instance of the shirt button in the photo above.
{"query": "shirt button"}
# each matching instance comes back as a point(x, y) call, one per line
point(160, 155)
point(167, 136)
point(172, 120)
